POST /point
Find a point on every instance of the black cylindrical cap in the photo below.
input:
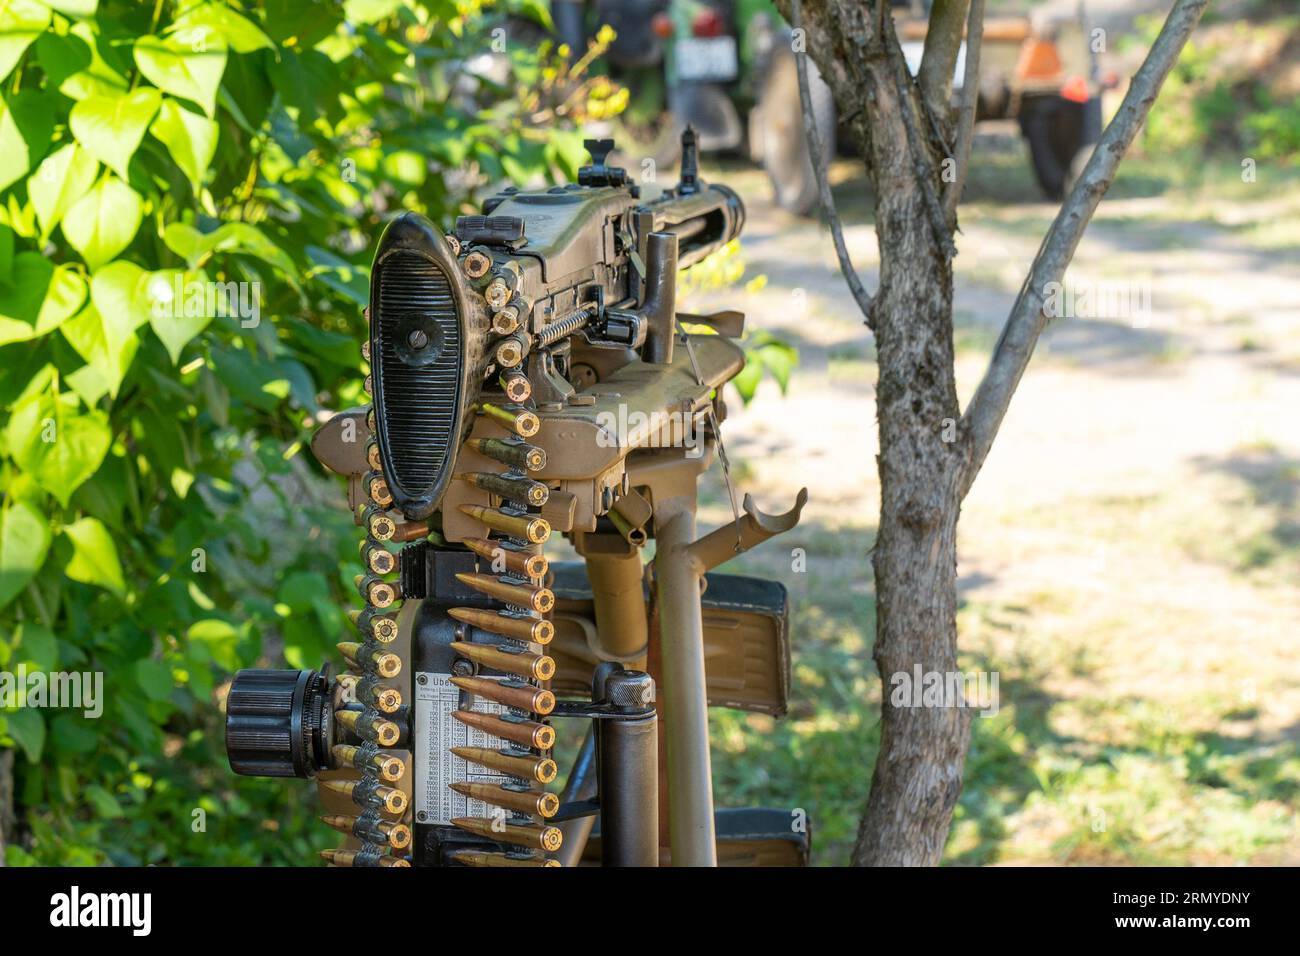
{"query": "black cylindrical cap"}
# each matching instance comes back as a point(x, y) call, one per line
point(278, 723)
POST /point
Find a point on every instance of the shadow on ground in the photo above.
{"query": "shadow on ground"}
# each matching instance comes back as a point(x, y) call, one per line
point(1270, 481)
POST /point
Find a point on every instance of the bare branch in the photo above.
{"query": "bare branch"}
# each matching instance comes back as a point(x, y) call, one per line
point(987, 408)
point(939, 59)
point(970, 91)
point(860, 293)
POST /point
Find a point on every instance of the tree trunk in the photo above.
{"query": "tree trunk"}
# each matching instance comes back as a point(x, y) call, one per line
point(929, 453)
point(918, 772)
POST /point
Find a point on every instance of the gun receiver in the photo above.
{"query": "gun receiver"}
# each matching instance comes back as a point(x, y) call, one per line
point(526, 379)
point(590, 259)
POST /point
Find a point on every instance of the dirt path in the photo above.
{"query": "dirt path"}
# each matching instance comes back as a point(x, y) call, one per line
point(1132, 546)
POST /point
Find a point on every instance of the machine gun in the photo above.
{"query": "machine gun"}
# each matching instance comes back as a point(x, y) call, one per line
point(528, 376)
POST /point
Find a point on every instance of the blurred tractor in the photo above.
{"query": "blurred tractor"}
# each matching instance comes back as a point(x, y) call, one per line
point(1040, 71)
point(727, 69)
point(724, 67)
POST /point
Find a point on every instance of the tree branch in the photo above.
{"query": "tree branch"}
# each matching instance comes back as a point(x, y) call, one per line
point(970, 90)
point(860, 293)
point(979, 426)
point(939, 59)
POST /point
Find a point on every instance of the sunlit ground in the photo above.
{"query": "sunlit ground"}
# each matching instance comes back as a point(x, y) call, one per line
point(1129, 558)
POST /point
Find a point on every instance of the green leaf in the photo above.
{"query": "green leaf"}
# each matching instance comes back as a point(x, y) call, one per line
point(746, 382)
point(74, 8)
point(6, 254)
point(241, 237)
point(83, 69)
point(60, 181)
point(306, 22)
point(37, 645)
point(107, 493)
point(37, 297)
point(301, 590)
point(71, 735)
point(105, 803)
point(24, 542)
point(190, 138)
point(59, 448)
point(62, 56)
point(21, 22)
point(779, 359)
point(765, 353)
point(337, 347)
point(242, 35)
point(155, 679)
point(103, 222)
point(188, 64)
point(27, 728)
point(369, 11)
point(302, 641)
point(218, 640)
point(26, 124)
point(308, 81)
point(21, 297)
point(104, 332)
point(173, 321)
point(63, 297)
point(111, 127)
point(90, 383)
point(28, 374)
point(121, 293)
point(94, 556)
point(340, 275)
point(99, 342)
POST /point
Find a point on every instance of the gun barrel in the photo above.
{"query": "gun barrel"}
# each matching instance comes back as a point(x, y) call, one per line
point(703, 221)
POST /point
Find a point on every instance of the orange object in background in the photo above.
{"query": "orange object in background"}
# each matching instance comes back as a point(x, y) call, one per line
point(1039, 60)
point(1075, 89)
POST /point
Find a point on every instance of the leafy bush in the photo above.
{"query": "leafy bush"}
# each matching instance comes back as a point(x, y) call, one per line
point(1221, 99)
point(765, 354)
point(161, 522)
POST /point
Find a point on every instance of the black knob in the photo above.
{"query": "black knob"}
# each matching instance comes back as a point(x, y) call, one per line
point(598, 173)
point(630, 691)
point(279, 723)
point(599, 150)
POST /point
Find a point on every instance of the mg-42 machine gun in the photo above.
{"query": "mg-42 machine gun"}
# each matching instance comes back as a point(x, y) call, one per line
point(530, 375)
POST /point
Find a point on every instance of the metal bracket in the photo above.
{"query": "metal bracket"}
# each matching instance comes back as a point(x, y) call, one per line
point(752, 528)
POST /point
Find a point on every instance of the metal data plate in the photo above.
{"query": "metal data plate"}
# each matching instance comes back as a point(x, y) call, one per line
point(704, 60)
point(436, 731)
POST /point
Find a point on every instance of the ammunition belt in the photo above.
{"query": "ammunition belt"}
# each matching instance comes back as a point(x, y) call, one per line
point(501, 670)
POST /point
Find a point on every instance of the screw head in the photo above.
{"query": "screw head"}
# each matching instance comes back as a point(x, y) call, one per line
point(418, 339)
